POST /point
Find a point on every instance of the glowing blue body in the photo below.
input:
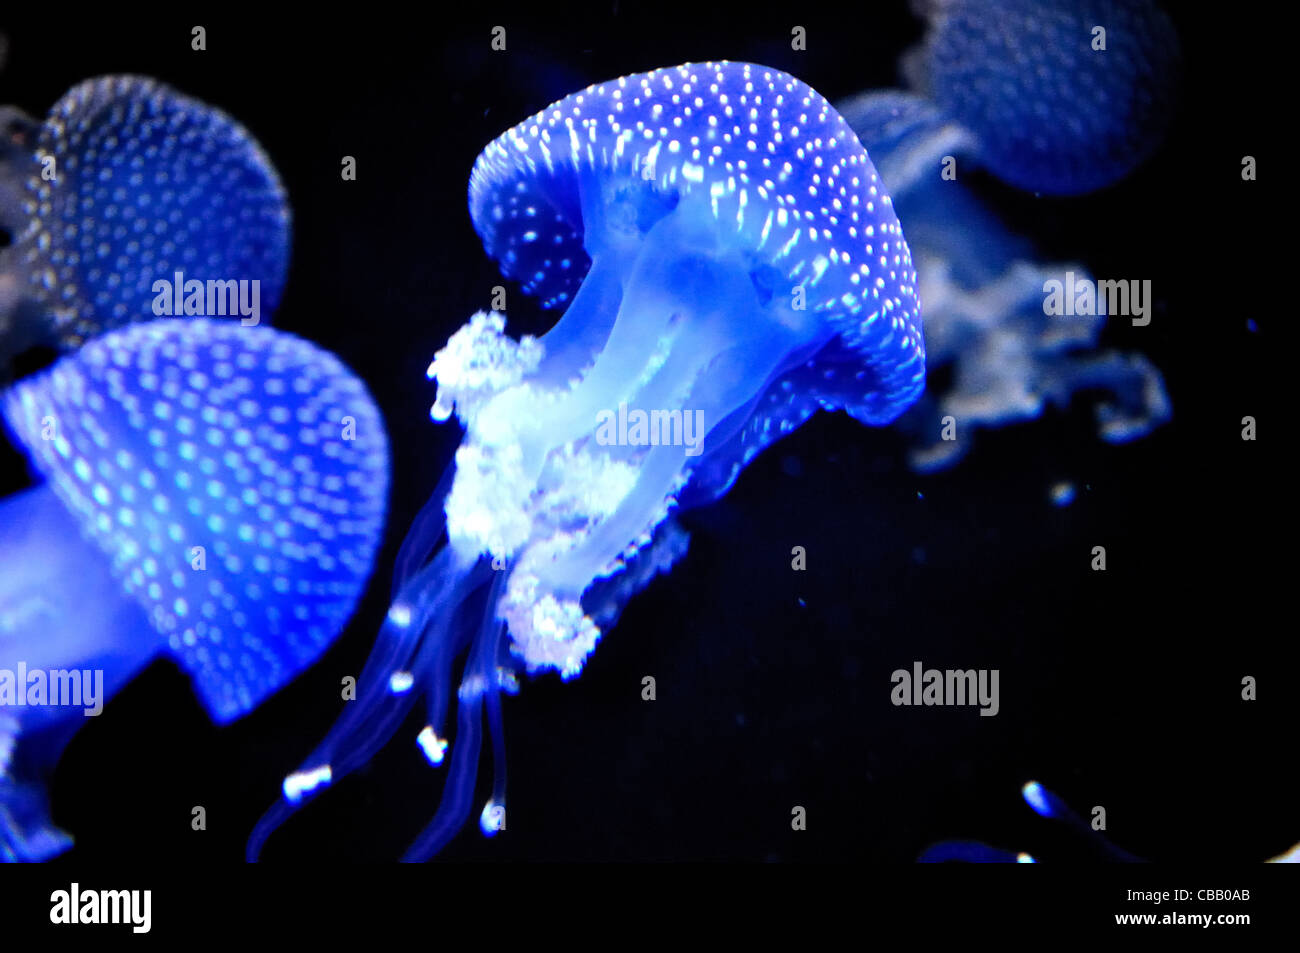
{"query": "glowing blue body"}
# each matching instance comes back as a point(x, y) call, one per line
point(725, 251)
point(1060, 96)
point(211, 491)
point(127, 183)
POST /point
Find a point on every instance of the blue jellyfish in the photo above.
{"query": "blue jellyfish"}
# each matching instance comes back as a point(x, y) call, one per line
point(985, 288)
point(728, 263)
point(1057, 96)
point(129, 202)
point(208, 490)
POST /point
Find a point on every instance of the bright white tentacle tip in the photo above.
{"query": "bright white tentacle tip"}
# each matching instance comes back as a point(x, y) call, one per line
point(1036, 798)
point(399, 683)
point(493, 818)
point(1023, 858)
point(434, 748)
point(303, 782)
point(400, 615)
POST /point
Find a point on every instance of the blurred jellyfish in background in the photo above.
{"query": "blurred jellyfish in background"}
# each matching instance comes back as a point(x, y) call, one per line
point(208, 488)
point(1062, 97)
point(209, 491)
point(1048, 805)
point(1032, 92)
point(127, 183)
point(729, 263)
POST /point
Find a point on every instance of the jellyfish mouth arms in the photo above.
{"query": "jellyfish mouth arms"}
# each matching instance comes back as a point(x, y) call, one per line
point(543, 477)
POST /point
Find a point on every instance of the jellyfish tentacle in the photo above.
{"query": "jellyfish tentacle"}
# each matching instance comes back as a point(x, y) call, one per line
point(413, 630)
point(971, 852)
point(1137, 401)
point(1046, 804)
point(479, 681)
point(434, 665)
point(458, 792)
point(496, 731)
point(427, 531)
point(417, 638)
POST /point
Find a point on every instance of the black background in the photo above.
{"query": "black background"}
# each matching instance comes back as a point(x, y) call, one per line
point(1119, 689)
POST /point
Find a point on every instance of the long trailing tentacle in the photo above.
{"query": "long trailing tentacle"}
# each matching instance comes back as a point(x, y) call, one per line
point(422, 539)
point(441, 640)
point(479, 681)
point(418, 627)
point(494, 816)
point(971, 852)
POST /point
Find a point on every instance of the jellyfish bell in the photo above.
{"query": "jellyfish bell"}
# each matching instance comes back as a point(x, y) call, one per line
point(128, 183)
point(1062, 97)
point(211, 492)
point(726, 257)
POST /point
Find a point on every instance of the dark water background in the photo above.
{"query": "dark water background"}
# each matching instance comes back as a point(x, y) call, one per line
point(1119, 689)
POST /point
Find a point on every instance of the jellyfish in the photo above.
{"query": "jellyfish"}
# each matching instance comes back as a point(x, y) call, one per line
point(728, 263)
point(1051, 806)
point(1056, 96)
point(984, 287)
point(985, 290)
point(129, 202)
point(208, 491)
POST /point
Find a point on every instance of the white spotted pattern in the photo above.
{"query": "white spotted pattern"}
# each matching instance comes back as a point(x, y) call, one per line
point(146, 182)
point(179, 434)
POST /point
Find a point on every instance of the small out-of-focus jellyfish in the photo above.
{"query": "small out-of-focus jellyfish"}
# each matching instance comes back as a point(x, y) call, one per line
point(210, 491)
point(729, 263)
point(1057, 96)
point(128, 183)
point(983, 287)
point(1048, 805)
